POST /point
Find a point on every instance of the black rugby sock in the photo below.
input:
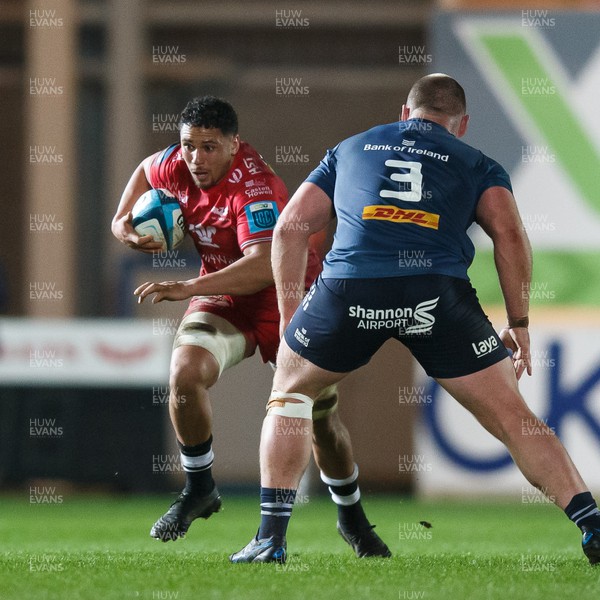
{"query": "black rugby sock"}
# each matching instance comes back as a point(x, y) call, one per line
point(275, 511)
point(197, 463)
point(346, 495)
point(583, 511)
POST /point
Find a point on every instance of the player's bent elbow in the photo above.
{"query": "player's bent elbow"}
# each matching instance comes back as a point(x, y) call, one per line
point(115, 227)
point(511, 236)
point(289, 231)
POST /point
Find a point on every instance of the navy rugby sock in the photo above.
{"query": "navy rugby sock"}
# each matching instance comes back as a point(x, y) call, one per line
point(583, 511)
point(197, 463)
point(346, 495)
point(275, 511)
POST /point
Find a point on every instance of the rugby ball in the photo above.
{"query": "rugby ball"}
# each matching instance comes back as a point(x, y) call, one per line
point(157, 213)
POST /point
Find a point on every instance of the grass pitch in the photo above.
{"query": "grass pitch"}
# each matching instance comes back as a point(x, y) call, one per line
point(99, 549)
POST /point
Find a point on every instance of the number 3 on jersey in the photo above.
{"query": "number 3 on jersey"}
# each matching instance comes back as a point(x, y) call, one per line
point(413, 181)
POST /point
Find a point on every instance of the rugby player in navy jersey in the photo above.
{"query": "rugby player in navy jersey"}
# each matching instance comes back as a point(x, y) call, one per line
point(399, 191)
point(230, 199)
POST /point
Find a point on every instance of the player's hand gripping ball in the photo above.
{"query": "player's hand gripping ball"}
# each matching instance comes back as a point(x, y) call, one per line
point(158, 214)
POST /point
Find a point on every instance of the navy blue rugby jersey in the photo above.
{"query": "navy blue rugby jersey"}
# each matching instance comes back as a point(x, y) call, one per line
point(404, 195)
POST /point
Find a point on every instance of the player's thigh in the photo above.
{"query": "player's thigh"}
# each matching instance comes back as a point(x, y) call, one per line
point(492, 396)
point(206, 344)
point(296, 374)
point(325, 403)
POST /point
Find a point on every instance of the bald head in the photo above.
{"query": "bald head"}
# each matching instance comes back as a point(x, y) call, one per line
point(437, 94)
point(440, 99)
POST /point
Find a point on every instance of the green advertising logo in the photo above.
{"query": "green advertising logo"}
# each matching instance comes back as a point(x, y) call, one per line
point(528, 78)
point(533, 83)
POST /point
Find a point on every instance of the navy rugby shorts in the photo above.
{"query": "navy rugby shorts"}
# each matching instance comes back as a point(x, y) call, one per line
point(343, 322)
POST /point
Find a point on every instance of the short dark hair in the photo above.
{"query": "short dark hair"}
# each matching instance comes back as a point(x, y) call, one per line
point(210, 112)
point(438, 94)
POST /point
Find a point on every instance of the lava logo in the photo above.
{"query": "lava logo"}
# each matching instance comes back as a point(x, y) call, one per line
point(485, 346)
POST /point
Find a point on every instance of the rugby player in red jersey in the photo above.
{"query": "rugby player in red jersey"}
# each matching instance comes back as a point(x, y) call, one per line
point(230, 200)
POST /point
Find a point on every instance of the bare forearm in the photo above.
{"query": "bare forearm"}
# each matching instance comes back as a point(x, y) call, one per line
point(309, 211)
point(136, 186)
point(514, 265)
point(289, 258)
point(246, 276)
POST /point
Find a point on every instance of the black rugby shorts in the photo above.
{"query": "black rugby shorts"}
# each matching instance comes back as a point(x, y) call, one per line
point(343, 322)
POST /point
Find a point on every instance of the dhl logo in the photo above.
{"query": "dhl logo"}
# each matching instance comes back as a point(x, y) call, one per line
point(385, 212)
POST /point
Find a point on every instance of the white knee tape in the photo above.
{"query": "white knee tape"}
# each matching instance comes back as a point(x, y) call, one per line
point(215, 334)
point(279, 404)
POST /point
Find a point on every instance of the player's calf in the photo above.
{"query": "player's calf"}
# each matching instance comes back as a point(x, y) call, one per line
point(333, 452)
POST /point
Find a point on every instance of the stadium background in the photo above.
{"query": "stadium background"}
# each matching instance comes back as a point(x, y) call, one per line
point(89, 88)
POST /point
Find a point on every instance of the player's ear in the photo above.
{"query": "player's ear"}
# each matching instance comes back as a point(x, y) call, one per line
point(405, 114)
point(463, 126)
point(235, 144)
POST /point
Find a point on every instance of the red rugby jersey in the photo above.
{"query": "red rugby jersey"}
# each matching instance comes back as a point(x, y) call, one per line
point(241, 209)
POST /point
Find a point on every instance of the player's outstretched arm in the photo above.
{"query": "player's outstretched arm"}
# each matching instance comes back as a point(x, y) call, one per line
point(247, 275)
point(498, 215)
point(310, 210)
point(121, 224)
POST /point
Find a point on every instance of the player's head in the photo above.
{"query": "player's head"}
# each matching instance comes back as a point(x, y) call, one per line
point(209, 112)
point(440, 98)
point(208, 131)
